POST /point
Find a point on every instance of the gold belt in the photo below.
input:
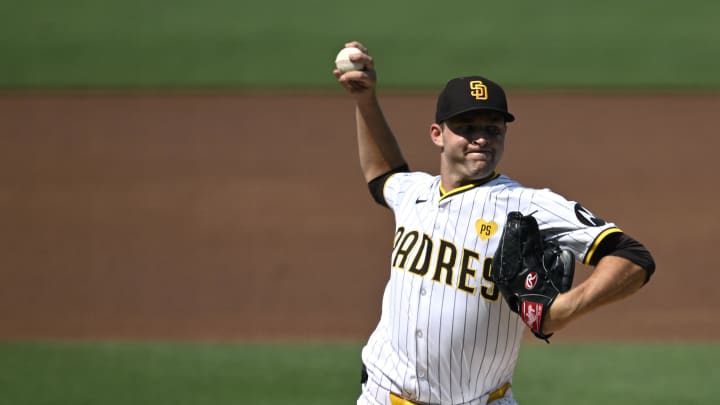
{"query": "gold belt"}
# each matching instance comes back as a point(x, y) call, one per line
point(497, 394)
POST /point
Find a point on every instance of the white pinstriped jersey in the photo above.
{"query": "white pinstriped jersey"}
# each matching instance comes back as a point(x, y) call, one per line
point(445, 335)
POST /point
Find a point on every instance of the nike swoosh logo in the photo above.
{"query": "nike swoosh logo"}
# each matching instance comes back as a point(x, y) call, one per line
point(420, 200)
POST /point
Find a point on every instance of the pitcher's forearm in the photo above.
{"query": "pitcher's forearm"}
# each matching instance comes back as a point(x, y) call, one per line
point(378, 149)
point(614, 278)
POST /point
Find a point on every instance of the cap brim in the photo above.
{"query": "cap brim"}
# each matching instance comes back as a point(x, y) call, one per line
point(508, 117)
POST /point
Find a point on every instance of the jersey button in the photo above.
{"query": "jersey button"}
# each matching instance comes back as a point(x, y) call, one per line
point(419, 334)
point(421, 373)
point(423, 292)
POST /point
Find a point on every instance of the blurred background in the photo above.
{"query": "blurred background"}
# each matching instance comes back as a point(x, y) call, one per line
point(183, 219)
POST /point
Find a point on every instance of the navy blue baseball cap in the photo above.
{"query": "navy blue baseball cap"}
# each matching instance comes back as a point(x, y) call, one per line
point(471, 93)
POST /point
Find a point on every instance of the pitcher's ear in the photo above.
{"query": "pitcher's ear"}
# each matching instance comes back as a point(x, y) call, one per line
point(436, 134)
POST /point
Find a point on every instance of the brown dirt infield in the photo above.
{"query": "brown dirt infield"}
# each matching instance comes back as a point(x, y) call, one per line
point(226, 217)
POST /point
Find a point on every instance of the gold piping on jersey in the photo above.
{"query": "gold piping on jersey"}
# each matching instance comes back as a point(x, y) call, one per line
point(597, 241)
point(444, 194)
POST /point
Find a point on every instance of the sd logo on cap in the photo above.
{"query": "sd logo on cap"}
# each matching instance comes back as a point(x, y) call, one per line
point(471, 93)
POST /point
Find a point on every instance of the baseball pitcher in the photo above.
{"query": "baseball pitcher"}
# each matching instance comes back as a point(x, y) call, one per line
point(477, 257)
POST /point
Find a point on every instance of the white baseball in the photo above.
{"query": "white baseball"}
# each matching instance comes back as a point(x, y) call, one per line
point(343, 62)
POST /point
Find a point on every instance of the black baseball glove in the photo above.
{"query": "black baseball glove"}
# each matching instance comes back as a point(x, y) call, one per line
point(530, 273)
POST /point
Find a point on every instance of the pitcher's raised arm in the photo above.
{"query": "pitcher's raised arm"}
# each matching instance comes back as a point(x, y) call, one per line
point(378, 149)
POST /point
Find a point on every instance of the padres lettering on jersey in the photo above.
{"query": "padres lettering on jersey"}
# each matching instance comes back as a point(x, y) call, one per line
point(443, 258)
point(444, 335)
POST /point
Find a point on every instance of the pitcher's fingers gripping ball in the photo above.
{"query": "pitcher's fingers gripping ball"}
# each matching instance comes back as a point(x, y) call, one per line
point(354, 68)
point(343, 61)
point(529, 273)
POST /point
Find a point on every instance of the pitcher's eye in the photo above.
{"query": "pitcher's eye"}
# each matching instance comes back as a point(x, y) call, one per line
point(464, 130)
point(469, 130)
point(493, 130)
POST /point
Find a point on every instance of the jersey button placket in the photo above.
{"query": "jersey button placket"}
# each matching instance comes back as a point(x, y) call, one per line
point(442, 215)
point(439, 221)
point(421, 342)
point(420, 365)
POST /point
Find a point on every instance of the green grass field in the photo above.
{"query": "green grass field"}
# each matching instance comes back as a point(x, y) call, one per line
point(316, 374)
point(281, 45)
